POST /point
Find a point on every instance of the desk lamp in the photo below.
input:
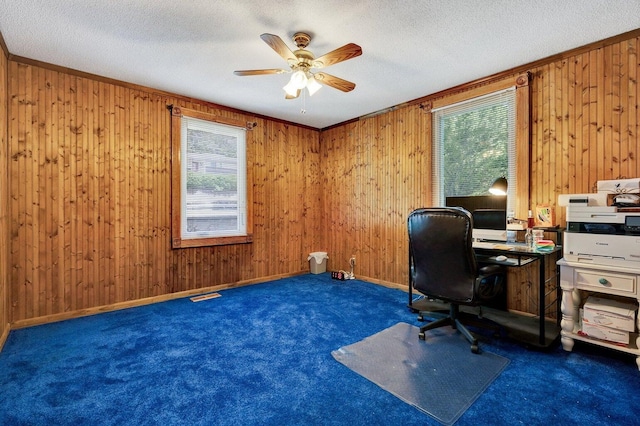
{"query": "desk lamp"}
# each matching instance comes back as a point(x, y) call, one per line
point(499, 187)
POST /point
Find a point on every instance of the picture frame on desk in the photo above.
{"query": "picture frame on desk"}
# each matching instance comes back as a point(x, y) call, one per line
point(545, 216)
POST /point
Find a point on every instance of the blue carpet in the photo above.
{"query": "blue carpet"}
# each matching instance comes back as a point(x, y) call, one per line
point(261, 355)
point(439, 376)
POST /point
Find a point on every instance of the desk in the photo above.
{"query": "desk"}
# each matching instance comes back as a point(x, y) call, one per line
point(547, 334)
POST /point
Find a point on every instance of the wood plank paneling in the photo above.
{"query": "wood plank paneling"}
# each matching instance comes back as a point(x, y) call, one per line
point(371, 184)
point(584, 128)
point(89, 162)
point(596, 106)
point(89, 182)
point(5, 210)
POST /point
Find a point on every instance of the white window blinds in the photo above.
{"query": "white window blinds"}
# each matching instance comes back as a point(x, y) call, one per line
point(474, 143)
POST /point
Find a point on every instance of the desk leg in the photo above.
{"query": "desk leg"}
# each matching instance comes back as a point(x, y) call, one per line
point(558, 293)
point(541, 308)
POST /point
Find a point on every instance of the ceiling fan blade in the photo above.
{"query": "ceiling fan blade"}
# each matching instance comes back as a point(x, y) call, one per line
point(260, 72)
point(288, 96)
point(279, 46)
point(335, 82)
point(343, 53)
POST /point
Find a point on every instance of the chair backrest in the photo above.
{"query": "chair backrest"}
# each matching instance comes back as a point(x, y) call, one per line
point(442, 263)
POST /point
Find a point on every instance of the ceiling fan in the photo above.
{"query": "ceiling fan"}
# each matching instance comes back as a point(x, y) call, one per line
point(302, 62)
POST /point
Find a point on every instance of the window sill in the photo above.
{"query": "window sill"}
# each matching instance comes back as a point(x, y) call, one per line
point(204, 242)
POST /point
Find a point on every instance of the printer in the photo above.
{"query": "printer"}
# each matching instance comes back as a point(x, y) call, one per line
point(604, 227)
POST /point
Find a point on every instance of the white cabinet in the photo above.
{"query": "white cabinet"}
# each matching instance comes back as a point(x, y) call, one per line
point(602, 279)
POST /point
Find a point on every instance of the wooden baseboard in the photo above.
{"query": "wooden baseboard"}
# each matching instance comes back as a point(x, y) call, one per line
point(135, 303)
point(31, 322)
point(384, 283)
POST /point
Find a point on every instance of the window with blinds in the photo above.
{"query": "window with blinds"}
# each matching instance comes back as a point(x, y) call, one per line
point(474, 143)
point(210, 200)
point(213, 179)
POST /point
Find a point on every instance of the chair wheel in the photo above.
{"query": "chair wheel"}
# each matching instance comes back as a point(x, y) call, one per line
point(421, 336)
point(420, 318)
point(475, 349)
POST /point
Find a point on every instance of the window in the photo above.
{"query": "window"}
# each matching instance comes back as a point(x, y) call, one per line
point(474, 144)
point(209, 180)
point(480, 138)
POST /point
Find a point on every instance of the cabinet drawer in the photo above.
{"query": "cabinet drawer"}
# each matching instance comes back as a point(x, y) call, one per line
point(603, 281)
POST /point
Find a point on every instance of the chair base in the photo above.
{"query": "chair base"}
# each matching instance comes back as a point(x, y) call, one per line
point(453, 321)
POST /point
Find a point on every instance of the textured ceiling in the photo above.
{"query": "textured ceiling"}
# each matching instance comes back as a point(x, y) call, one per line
point(411, 48)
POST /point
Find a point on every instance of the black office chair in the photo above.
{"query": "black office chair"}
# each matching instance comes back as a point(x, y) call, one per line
point(442, 265)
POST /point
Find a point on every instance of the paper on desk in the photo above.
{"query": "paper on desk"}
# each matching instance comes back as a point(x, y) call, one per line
point(503, 247)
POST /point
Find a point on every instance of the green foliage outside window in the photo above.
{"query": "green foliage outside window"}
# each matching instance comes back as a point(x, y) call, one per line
point(475, 150)
point(211, 182)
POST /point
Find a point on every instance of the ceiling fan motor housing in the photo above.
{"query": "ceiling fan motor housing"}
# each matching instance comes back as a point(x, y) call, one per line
point(301, 40)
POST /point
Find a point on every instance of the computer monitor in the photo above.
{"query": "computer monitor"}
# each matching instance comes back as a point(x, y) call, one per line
point(489, 215)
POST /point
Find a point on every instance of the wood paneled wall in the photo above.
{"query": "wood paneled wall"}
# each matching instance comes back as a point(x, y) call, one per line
point(585, 126)
point(4, 196)
point(375, 171)
point(89, 182)
point(585, 121)
point(90, 197)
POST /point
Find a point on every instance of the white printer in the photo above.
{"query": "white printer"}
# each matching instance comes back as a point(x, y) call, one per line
point(604, 227)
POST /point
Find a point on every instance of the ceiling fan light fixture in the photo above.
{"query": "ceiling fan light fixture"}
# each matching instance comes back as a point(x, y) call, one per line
point(291, 89)
point(297, 82)
point(312, 85)
point(299, 79)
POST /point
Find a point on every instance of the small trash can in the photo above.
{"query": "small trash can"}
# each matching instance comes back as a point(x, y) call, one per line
point(318, 262)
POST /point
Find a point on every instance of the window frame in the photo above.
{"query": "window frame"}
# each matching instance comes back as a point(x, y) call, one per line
point(177, 240)
point(522, 131)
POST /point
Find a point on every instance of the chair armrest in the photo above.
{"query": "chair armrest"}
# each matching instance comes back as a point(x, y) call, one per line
point(491, 269)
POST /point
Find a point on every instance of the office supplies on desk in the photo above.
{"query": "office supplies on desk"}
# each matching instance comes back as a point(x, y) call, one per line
point(516, 225)
point(626, 200)
point(483, 244)
point(492, 246)
point(545, 245)
point(545, 216)
point(619, 186)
